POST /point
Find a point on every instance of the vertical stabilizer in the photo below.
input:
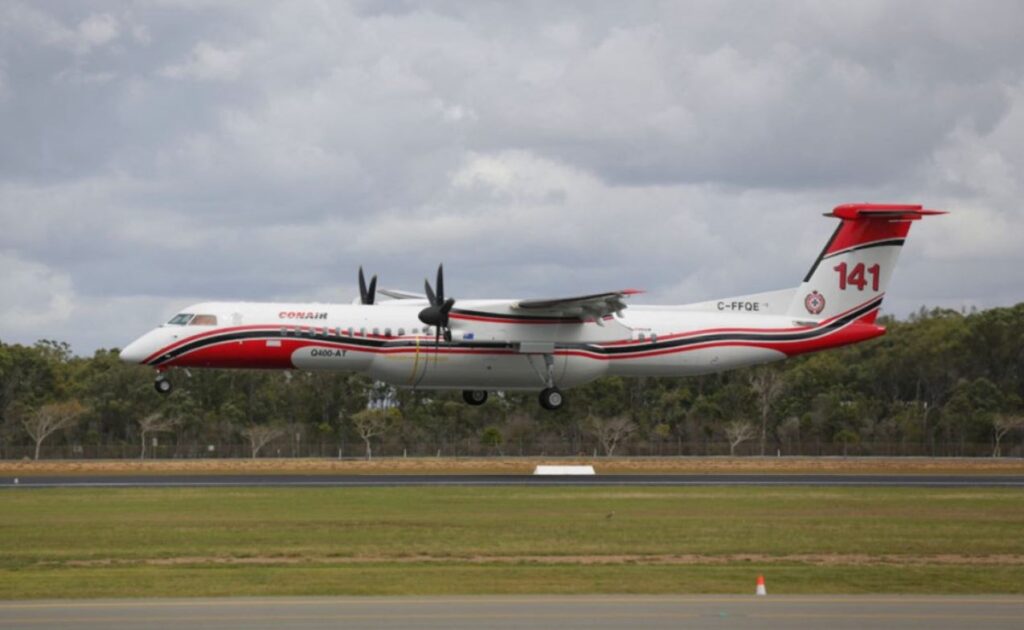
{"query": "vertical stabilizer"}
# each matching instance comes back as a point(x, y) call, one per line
point(855, 267)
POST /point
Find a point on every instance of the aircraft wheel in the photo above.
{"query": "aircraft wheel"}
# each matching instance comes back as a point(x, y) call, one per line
point(162, 386)
point(474, 397)
point(552, 399)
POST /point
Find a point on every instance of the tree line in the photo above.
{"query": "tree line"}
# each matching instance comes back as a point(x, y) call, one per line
point(940, 382)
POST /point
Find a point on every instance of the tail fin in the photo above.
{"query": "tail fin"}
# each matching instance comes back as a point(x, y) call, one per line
point(853, 270)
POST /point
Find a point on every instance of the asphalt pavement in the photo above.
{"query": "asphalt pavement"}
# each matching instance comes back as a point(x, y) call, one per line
point(592, 612)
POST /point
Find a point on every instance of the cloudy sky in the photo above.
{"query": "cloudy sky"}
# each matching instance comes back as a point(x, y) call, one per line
point(161, 153)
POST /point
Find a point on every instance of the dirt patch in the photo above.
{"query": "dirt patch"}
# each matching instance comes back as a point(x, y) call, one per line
point(517, 466)
point(646, 559)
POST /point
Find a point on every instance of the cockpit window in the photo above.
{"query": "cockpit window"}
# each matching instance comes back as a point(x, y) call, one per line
point(180, 319)
point(204, 320)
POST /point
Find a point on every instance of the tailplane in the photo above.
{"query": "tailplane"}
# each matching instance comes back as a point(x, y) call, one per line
point(855, 267)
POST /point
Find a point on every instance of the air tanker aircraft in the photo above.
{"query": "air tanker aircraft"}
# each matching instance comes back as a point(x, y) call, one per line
point(432, 341)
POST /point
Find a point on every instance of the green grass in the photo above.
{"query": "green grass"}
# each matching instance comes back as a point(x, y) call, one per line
point(103, 542)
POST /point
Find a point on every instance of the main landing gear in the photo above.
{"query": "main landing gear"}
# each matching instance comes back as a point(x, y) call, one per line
point(475, 397)
point(551, 398)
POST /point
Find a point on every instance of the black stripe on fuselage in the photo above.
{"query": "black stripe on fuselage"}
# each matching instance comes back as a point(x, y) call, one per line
point(426, 343)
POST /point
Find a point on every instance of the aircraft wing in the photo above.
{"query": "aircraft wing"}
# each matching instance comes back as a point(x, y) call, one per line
point(398, 294)
point(588, 307)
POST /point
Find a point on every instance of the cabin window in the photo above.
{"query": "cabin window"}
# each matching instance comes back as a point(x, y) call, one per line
point(180, 319)
point(203, 320)
point(654, 338)
point(284, 332)
point(401, 332)
point(362, 332)
point(641, 337)
point(349, 331)
point(376, 332)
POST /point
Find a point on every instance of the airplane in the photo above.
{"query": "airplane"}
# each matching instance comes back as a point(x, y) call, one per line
point(431, 341)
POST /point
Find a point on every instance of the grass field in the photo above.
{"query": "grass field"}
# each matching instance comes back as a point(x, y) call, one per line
point(443, 540)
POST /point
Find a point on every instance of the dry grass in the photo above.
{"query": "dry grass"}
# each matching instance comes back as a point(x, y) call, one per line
point(525, 465)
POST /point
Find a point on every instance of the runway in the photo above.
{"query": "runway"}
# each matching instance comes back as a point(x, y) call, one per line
point(837, 612)
point(260, 480)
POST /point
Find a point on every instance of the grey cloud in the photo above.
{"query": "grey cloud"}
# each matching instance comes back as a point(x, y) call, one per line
point(158, 154)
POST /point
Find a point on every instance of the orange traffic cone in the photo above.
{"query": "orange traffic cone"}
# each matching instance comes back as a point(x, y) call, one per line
point(760, 586)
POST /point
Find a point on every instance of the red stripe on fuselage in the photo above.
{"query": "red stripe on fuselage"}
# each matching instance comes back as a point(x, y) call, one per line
point(255, 353)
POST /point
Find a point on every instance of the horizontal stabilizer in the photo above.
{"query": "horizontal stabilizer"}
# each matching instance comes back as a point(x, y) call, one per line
point(900, 212)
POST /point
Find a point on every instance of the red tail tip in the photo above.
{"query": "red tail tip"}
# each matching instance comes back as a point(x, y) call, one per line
point(906, 212)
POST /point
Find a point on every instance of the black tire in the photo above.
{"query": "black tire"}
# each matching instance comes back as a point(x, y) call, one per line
point(162, 386)
point(552, 399)
point(475, 397)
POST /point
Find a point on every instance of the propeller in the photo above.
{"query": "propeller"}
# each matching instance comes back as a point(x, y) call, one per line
point(436, 314)
point(367, 294)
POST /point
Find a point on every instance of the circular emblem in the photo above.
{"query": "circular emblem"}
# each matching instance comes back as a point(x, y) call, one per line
point(815, 302)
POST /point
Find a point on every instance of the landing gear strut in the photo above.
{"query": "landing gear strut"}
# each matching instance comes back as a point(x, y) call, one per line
point(475, 397)
point(162, 385)
point(551, 398)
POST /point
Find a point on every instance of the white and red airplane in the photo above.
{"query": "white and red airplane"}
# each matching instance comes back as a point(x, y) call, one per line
point(435, 342)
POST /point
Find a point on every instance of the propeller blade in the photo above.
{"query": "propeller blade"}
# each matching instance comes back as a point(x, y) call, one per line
point(372, 292)
point(431, 298)
point(367, 295)
point(440, 283)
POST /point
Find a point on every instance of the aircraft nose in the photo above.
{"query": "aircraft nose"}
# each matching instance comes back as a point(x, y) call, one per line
point(134, 352)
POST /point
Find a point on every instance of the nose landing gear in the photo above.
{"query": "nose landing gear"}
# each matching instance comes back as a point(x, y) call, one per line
point(475, 397)
point(162, 385)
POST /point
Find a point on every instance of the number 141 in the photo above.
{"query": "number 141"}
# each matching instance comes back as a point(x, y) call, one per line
point(855, 276)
